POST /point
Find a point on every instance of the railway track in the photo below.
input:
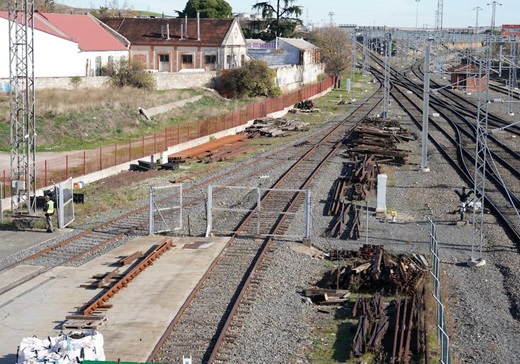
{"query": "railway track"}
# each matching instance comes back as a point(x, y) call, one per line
point(453, 134)
point(210, 320)
point(88, 243)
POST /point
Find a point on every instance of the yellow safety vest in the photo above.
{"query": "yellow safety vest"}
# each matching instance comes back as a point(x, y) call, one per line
point(50, 207)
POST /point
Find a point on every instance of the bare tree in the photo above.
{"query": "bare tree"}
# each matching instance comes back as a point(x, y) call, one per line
point(335, 46)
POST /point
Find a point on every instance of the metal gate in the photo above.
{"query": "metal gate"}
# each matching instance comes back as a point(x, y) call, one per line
point(165, 209)
point(224, 205)
point(65, 203)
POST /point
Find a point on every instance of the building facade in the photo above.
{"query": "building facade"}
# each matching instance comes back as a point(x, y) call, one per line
point(182, 45)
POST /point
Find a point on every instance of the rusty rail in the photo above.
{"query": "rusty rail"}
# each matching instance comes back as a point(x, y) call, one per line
point(123, 282)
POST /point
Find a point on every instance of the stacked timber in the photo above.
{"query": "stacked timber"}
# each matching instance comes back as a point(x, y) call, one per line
point(275, 127)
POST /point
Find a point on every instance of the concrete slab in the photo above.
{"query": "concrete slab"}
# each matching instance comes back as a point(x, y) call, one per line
point(140, 313)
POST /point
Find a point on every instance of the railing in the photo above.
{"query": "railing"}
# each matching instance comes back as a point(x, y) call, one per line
point(82, 163)
point(444, 340)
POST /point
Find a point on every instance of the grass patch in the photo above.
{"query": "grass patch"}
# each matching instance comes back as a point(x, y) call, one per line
point(89, 118)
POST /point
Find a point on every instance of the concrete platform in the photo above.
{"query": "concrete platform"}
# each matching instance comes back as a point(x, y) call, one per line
point(140, 313)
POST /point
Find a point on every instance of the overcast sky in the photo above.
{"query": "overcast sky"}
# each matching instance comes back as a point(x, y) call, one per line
point(404, 13)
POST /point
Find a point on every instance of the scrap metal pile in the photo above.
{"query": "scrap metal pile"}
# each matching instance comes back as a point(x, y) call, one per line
point(379, 138)
point(393, 329)
point(358, 179)
point(372, 267)
point(396, 331)
point(275, 127)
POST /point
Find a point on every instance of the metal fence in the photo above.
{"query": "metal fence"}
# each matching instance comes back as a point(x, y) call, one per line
point(442, 330)
point(89, 161)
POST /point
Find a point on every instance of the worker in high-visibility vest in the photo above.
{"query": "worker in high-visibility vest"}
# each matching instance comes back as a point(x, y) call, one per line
point(48, 208)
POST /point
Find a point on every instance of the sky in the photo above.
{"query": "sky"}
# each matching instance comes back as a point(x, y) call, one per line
point(392, 13)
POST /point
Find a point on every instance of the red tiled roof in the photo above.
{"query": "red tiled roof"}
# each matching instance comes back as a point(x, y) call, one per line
point(148, 30)
point(81, 29)
point(90, 35)
point(41, 24)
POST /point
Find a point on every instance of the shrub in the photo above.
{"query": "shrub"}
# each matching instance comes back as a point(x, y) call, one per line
point(254, 78)
point(131, 74)
point(75, 81)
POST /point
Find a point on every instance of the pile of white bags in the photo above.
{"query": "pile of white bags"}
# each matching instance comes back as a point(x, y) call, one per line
point(63, 349)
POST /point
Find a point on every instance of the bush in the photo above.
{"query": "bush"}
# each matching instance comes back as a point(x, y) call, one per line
point(75, 81)
point(131, 74)
point(254, 78)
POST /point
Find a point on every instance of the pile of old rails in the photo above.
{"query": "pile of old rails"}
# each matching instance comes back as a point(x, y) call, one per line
point(379, 138)
point(397, 329)
point(410, 331)
point(359, 178)
point(275, 127)
point(372, 326)
point(198, 153)
point(374, 268)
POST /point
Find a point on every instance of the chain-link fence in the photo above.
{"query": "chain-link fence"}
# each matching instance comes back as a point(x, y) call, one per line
point(442, 329)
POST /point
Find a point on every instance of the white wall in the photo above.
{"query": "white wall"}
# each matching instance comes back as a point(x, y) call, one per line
point(234, 46)
point(89, 60)
point(53, 56)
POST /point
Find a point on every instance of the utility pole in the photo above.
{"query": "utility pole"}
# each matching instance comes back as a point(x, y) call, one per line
point(21, 106)
point(477, 9)
point(494, 7)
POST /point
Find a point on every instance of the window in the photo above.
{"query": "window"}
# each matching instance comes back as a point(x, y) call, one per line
point(210, 62)
point(187, 60)
point(164, 62)
point(210, 59)
point(98, 66)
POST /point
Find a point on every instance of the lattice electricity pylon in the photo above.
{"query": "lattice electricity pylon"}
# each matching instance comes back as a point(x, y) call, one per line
point(387, 43)
point(21, 106)
point(439, 14)
point(480, 163)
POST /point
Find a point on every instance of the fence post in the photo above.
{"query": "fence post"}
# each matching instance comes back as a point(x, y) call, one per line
point(84, 162)
point(100, 158)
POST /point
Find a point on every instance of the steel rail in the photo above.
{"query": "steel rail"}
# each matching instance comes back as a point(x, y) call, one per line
point(194, 295)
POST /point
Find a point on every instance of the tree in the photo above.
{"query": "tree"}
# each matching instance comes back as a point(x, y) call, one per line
point(207, 9)
point(280, 20)
point(254, 78)
point(335, 47)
